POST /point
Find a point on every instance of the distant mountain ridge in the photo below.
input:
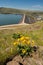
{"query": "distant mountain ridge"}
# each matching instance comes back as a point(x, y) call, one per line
point(4, 10)
point(10, 11)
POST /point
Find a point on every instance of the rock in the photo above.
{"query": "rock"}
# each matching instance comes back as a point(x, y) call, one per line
point(12, 63)
point(18, 58)
point(25, 62)
point(36, 59)
point(28, 61)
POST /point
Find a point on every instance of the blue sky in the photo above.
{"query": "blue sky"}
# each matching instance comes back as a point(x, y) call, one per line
point(23, 4)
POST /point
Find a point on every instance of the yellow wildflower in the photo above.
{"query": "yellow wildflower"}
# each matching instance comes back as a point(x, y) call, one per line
point(22, 38)
point(28, 42)
point(24, 41)
point(15, 43)
point(23, 51)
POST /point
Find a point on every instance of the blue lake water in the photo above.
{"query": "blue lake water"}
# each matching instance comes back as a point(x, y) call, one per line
point(7, 19)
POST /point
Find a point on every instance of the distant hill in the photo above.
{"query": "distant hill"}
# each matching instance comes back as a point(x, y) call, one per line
point(17, 11)
point(11, 11)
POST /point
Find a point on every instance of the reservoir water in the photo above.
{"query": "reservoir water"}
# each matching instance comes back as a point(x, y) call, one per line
point(7, 19)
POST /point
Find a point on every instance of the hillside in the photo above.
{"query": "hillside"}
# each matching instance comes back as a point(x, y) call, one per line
point(35, 31)
point(11, 11)
point(18, 11)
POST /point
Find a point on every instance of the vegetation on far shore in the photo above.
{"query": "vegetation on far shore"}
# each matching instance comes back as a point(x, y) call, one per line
point(18, 11)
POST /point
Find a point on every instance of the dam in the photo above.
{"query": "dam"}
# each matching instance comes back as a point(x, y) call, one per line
point(23, 21)
point(26, 20)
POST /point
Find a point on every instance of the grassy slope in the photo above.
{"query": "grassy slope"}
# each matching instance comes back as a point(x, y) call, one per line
point(35, 31)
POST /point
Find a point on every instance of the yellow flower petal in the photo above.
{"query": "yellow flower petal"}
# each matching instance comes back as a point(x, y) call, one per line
point(23, 51)
point(22, 38)
point(15, 43)
point(24, 41)
point(28, 42)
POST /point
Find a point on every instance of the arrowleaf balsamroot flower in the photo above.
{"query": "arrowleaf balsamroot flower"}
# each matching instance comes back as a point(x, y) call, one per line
point(23, 51)
point(24, 43)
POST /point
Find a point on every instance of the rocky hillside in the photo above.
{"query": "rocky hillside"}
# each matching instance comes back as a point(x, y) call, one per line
point(34, 59)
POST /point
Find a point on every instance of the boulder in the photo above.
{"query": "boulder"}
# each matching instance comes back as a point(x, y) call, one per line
point(18, 58)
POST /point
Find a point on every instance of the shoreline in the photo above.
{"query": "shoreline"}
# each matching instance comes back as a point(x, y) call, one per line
point(11, 26)
point(14, 24)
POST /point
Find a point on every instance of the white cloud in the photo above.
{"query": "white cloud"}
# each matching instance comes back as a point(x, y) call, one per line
point(37, 6)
